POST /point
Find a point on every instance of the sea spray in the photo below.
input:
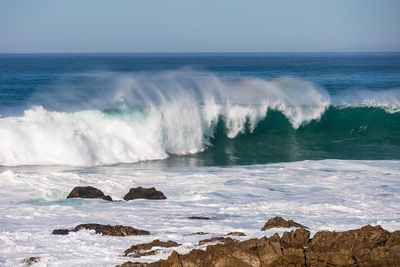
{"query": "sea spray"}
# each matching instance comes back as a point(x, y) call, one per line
point(149, 118)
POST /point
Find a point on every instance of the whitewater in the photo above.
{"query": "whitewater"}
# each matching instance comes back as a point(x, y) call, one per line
point(237, 138)
point(176, 113)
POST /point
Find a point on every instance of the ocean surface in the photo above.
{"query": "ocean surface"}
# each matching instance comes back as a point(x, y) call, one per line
point(239, 138)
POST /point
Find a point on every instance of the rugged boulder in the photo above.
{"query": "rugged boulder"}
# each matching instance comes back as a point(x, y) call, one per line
point(146, 193)
point(103, 229)
point(279, 222)
point(368, 246)
point(88, 192)
point(137, 250)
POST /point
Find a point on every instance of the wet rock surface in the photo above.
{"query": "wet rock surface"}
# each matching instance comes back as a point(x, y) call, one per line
point(30, 261)
point(88, 192)
point(61, 231)
point(137, 250)
point(279, 222)
point(367, 246)
point(104, 229)
point(144, 193)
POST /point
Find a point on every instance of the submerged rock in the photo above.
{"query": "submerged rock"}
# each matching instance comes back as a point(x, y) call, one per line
point(104, 229)
point(88, 192)
point(368, 246)
point(146, 193)
point(30, 261)
point(199, 218)
point(200, 233)
point(279, 222)
point(136, 250)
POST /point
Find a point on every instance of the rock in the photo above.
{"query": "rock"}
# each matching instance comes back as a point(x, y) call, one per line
point(88, 192)
point(146, 193)
point(200, 233)
point(136, 250)
point(215, 239)
point(117, 230)
point(370, 244)
point(30, 261)
point(279, 222)
point(61, 232)
point(199, 218)
point(236, 234)
point(367, 246)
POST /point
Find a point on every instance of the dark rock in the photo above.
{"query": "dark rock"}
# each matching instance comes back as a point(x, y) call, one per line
point(108, 198)
point(199, 218)
point(88, 192)
point(146, 193)
point(236, 234)
point(30, 261)
point(136, 250)
point(368, 246)
point(200, 233)
point(279, 222)
point(117, 230)
point(60, 232)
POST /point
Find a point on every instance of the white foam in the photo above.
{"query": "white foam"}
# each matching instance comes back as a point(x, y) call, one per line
point(323, 195)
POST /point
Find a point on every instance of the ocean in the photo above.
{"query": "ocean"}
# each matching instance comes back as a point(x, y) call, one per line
point(238, 138)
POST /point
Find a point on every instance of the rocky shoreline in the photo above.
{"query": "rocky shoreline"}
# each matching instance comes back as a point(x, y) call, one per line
point(366, 246)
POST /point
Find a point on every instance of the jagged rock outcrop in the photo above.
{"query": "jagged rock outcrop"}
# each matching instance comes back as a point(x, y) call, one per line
point(367, 246)
point(279, 222)
point(137, 250)
point(146, 193)
point(104, 229)
point(88, 192)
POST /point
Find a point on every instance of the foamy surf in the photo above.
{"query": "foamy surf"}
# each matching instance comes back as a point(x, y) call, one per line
point(323, 195)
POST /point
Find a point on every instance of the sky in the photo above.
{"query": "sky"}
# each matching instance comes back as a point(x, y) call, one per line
point(59, 26)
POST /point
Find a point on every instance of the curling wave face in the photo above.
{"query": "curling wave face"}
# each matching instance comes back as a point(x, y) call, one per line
point(215, 120)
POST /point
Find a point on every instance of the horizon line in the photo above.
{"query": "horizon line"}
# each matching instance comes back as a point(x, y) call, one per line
point(197, 52)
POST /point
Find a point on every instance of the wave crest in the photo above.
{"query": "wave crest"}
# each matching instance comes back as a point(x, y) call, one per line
point(142, 118)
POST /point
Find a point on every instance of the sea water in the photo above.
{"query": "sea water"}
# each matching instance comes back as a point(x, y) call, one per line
point(239, 138)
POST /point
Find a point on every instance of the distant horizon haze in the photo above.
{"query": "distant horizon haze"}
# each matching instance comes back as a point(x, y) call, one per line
point(185, 26)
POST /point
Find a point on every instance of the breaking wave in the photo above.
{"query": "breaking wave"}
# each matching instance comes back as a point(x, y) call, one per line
point(134, 118)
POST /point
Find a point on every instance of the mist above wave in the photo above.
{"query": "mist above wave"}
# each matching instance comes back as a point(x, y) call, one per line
point(167, 113)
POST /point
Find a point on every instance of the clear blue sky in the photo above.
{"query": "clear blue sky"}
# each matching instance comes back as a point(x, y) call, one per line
point(199, 26)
